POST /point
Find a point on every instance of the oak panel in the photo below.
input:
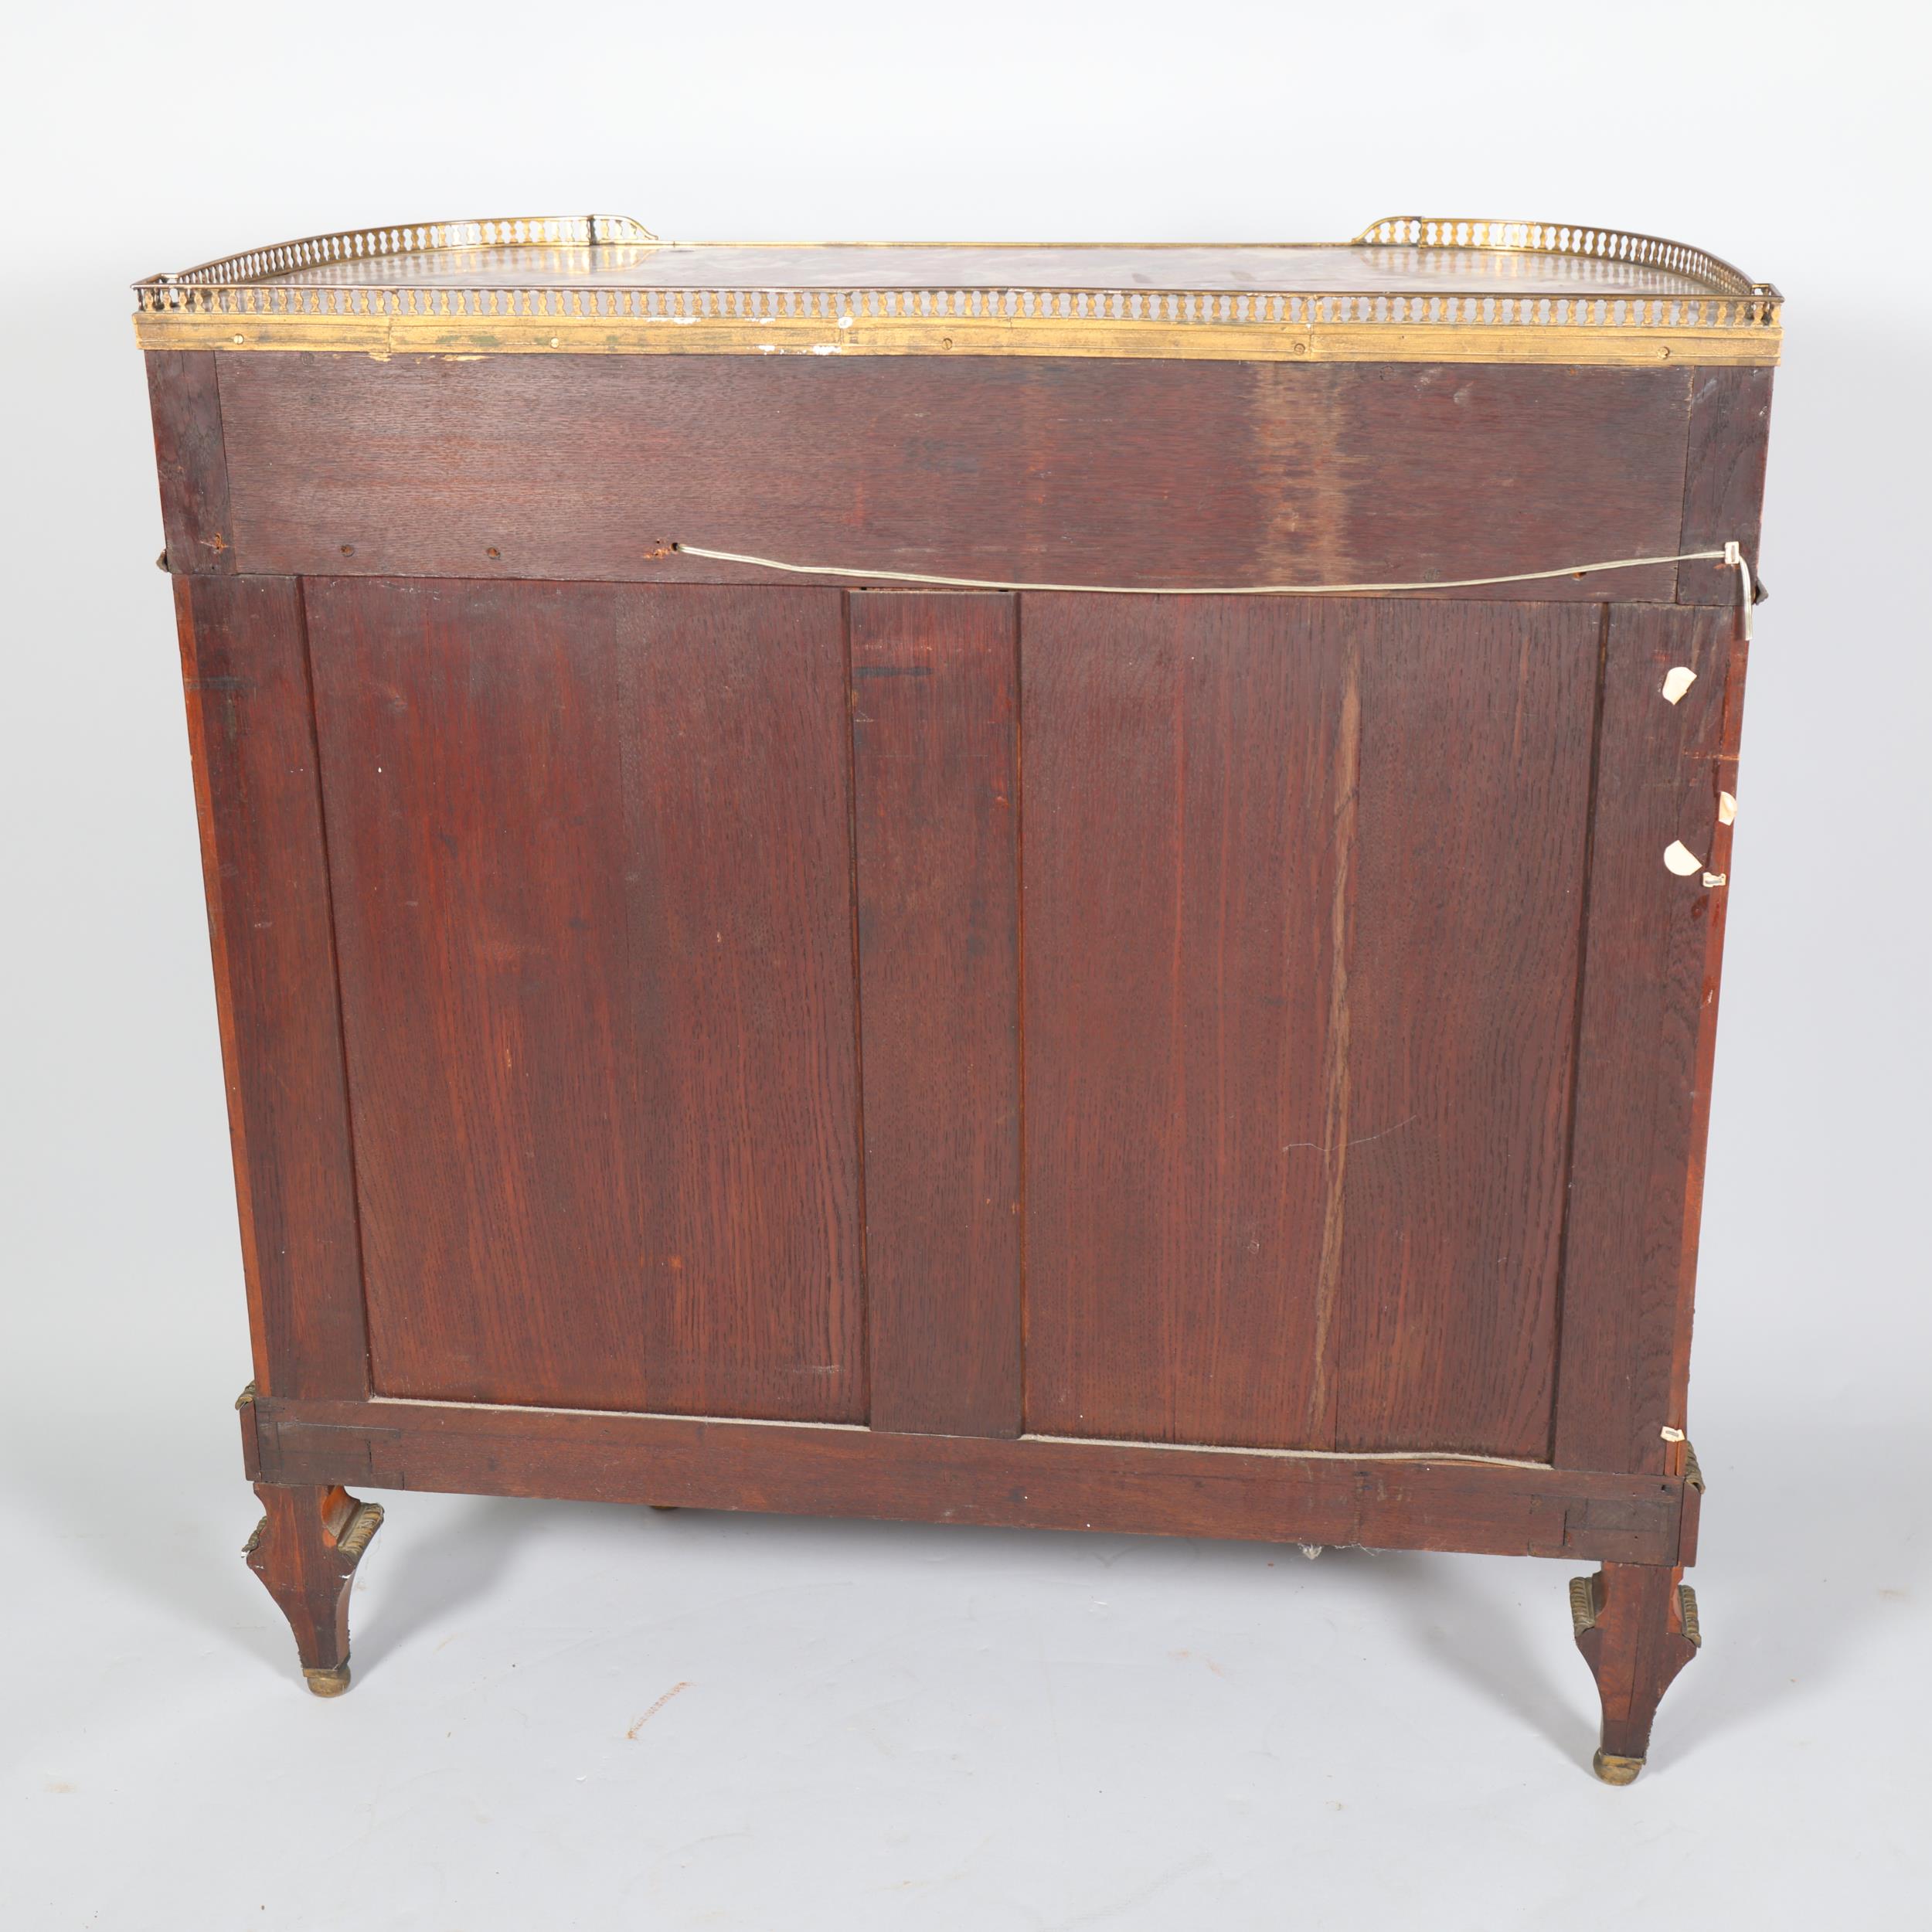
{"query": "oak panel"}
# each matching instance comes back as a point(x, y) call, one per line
point(1303, 883)
point(593, 895)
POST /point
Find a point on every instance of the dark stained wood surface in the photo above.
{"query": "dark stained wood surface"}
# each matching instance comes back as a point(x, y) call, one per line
point(1470, 833)
point(1127, 1488)
point(1300, 985)
point(1062, 1033)
point(305, 1550)
point(185, 399)
point(1646, 1034)
point(266, 868)
point(594, 890)
point(1634, 1636)
point(697, 1038)
point(1064, 471)
point(1730, 422)
point(935, 701)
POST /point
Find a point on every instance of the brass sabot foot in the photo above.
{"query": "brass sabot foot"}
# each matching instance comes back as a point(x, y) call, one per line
point(327, 1683)
point(1613, 1769)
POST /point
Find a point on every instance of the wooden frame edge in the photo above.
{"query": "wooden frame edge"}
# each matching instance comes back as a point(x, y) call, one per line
point(842, 1470)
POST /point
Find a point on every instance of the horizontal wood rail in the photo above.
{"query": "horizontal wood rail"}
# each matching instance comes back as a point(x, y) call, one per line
point(1035, 1482)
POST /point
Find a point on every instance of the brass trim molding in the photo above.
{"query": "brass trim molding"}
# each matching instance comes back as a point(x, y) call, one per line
point(405, 238)
point(1557, 238)
point(226, 305)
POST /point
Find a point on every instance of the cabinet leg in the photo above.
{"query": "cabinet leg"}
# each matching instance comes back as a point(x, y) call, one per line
point(1636, 1627)
point(305, 1550)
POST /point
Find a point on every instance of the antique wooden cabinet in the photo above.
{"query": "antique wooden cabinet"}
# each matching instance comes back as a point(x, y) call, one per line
point(992, 884)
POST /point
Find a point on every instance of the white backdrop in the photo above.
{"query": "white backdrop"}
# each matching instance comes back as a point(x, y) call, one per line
point(875, 1726)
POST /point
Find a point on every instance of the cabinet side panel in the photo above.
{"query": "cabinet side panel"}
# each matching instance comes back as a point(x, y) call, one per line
point(936, 800)
point(594, 888)
point(1646, 1034)
point(1302, 891)
point(192, 462)
point(249, 725)
point(1730, 421)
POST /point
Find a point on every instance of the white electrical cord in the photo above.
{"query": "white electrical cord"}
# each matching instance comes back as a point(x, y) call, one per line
point(1732, 555)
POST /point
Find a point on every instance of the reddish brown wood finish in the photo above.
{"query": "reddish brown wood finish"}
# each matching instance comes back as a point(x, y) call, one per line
point(1266, 1024)
point(1051, 1483)
point(305, 1550)
point(1633, 1628)
point(593, 887)
point(1065, 471)
point(1300, 1016)
point(935, 701)
point(245, 669)
point(1730, 422)
point(186, 402)
point(1646, 1034)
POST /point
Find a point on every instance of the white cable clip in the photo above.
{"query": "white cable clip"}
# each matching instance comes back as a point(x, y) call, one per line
point(1734, 557)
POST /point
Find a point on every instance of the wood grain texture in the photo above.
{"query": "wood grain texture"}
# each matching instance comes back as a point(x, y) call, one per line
point(935, 705)
point(1059, 470)
point(594, 901)
point(1646, 1035)
point(1635, 1641)
point(1134, 1489)
point(1472, 832)
point(674, 1016)
point(1730, 421)
point(245, 671)
point(1302, 890)
point(305, 1550)
point(192, 465)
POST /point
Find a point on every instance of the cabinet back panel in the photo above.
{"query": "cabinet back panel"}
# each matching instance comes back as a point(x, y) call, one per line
point(1147, 473)
point(590, 861)
point(1303, 883)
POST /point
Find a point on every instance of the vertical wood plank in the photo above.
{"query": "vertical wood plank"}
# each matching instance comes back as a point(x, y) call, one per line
point(1730, 420)
point(244, 669)
point(1185, 780)
point(1478, 725)
point(1646, 1035)
point(1303, 883)
point(591, 845)
point(936, 803)
point(192, 462)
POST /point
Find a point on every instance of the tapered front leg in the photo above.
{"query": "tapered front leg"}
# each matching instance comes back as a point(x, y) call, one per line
point(1636, 1627)
point(305, 1550)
